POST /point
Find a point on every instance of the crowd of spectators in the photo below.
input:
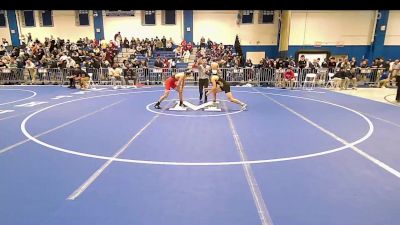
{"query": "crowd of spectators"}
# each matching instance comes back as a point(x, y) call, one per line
point(59, 53)
point(33, 54)
point(145, 47)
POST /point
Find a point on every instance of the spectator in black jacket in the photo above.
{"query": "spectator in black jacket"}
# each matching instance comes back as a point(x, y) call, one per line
point(302, 62)
point(350, 79)
point(339, 79)
point(164, 42)
point(324, 64)
point(130, 74)
point(353, 62)
point(158, 64)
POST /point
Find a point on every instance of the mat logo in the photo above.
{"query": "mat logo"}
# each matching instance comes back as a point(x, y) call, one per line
point(31, 104)
point(208, 106)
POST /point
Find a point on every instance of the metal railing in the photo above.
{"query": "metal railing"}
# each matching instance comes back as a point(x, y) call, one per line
point(153, 76)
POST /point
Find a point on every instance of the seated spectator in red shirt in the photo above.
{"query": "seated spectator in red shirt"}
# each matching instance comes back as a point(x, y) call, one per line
point(289, 78)
point(183, 43)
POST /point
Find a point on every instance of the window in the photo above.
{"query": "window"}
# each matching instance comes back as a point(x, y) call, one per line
point(149, 17)
point(82, 18)
point(3, 22)
point(266, 16)
point(28, 18)
point(169, 17)
point(247, 16)
point(46, 18)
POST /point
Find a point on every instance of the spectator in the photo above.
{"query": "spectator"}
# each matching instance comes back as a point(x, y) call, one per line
point(289, 78)
point(82, 77)
point(149, 51)
point(397, 82)
point(316, 63)
point(74, 73)
point(339, 64)
point(345, 64)
point(178, 52)
point(29, 37)
point(202, 42)
point(173, 63)
point(302, 62)
point(339, 79)
point(364, 64)
point(189, 47)
point(2, 50)
point(376, 63)
point(183, 44)
point(209, 43)
point(126, 43)
point(169, 46)
point(12, 64)
point(158, 63)
point(386, 65)
point(353, 62)
point(110, 54)
point(350, 78)
point(159, 45)
point(115, 73)
point(164, 42)
point(170, 40)
point(70, 63)
point(332, 64)
point(31, 68)
point(5, 42)
point(383, 80)
point(118, 37)
point(186, 56)
point(130, 74)
point(395, 71)
point(249, 64)
point(3, 64)
point(165, 64)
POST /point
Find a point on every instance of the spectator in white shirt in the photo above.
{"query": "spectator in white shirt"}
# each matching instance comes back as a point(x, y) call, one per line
point(178, 52)
point(63, 57)
point(70, 63)
point(31, 69)
point(169, 46)
point(115, 73)
point(5, 42)
point(186, 56)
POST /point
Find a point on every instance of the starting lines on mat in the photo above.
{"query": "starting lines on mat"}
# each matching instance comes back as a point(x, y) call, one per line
point(208, 106)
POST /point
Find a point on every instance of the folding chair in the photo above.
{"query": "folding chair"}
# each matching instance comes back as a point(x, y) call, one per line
point(92, 85)
point(309, 81)
point(330, 80)
point(296, 82)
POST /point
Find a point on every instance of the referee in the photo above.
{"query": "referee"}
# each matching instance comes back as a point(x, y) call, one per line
point(203, 78)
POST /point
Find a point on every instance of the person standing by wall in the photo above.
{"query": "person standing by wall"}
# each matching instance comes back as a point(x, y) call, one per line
point(396, 75)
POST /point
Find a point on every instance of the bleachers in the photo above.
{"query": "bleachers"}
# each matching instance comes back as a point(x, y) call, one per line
point(126, 54)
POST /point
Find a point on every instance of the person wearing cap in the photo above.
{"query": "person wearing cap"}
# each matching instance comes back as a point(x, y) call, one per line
point(177, 82)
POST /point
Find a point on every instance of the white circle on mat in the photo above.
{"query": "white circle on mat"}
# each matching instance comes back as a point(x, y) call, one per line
point(226, 163)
